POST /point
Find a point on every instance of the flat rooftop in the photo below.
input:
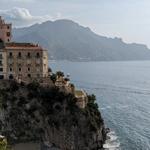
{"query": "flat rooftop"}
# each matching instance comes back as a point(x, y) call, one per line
point(22, 46)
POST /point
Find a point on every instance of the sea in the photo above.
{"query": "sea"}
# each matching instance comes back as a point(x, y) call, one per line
point(123, 95)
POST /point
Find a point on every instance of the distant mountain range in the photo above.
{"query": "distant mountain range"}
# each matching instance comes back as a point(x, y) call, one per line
point(67, 40)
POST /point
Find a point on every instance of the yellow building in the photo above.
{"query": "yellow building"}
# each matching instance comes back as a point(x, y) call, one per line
point(20, 60)
point(82, 99)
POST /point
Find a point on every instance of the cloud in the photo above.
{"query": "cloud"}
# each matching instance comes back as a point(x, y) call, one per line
point(22, 17)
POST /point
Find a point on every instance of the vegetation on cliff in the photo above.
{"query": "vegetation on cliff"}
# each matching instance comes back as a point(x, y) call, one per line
point(34, 113)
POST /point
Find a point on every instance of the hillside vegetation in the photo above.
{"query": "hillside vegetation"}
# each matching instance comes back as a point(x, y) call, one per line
point(34, 113)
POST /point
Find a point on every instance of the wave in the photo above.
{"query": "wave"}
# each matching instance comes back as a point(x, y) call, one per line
point(107, 107)
point(112, 142)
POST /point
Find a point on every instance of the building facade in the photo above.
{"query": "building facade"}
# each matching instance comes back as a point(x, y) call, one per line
point(3, 62)
point(20, 60)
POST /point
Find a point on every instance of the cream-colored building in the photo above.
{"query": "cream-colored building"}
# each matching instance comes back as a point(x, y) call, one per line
point(20, 60)
point(82, 98)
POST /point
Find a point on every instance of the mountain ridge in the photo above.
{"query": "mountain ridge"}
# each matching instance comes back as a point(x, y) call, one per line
point(67, 40)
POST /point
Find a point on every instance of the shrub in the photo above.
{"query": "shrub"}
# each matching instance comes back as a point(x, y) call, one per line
point(59, 74)
point(13, 86)
point(33, 86)
point(53, 77)
point(91, 98)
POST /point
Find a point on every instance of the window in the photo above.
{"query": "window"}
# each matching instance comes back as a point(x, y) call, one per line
point(10, 69)
point(1, 69)
point(10, 54)
point(29, 75)
point(19, 69)
point(1, 77)
point(11, 77)
point(8, 33)
point(8, 27)
point(29, 55)
point(37, 55)
point(8, 40)
point(19, 54)
point(1, 56)
point(0, 62)
point(28, 69)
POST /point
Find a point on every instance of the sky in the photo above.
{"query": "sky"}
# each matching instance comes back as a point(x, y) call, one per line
point(126, 19)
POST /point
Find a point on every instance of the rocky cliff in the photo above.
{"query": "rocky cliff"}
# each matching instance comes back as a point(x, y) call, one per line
point(31, 113)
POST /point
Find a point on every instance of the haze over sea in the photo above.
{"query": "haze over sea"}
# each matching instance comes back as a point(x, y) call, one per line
point(123, 95)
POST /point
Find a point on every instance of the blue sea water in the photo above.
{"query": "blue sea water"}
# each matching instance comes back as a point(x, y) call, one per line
point(123, 95)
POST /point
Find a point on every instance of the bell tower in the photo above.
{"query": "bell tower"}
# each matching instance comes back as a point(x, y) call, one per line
point(5, 31)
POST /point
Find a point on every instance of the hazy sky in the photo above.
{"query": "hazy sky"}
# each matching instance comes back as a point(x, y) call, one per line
point(129, 19)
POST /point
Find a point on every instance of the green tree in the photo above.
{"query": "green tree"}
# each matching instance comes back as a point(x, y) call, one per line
point(53, 77)
point(60, 74)
point(91, 98)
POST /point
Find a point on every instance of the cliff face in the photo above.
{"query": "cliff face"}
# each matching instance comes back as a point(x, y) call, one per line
point(47, 115)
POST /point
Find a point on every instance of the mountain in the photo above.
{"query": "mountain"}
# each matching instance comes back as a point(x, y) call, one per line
point(67, 40)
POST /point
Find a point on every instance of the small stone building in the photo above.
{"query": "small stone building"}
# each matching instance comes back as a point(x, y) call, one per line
point(82, 99)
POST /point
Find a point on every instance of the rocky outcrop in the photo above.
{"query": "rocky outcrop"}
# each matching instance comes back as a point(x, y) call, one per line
point(48, 115)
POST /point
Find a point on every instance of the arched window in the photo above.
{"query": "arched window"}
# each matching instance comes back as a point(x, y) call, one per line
point(19, 69)
point(11, 77)
point(29, 75)
point(37, 55)
point(19, 54)
point(29, 54)
point(1, 41)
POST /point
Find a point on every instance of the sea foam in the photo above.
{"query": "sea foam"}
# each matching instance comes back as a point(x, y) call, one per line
point(112, 142)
